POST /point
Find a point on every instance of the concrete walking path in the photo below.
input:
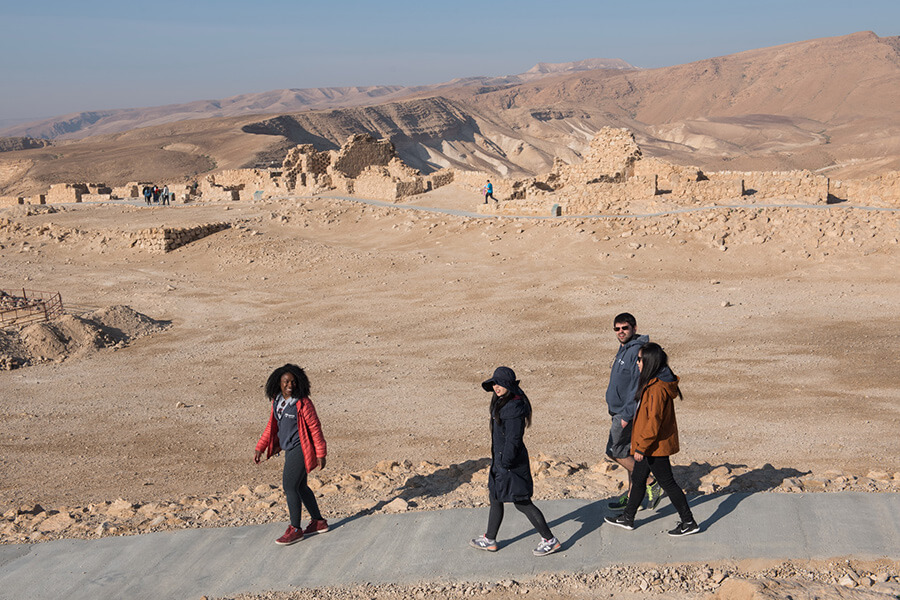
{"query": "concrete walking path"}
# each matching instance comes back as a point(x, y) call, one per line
point(433, 545)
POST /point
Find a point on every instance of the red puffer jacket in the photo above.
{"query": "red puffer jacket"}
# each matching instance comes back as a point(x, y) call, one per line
point(311, 439)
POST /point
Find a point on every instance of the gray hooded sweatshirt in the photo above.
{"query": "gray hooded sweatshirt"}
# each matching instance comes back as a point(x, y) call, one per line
point(623, 381)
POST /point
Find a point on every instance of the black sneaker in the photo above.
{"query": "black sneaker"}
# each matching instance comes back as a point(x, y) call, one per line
point(684, 528)
point(620, 521)
point(619, 503)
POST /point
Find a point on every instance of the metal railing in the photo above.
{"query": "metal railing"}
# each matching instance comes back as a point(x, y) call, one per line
point(29, 307)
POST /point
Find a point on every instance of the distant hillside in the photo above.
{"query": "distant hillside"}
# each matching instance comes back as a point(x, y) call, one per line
point(84, 124)
point(830, 104)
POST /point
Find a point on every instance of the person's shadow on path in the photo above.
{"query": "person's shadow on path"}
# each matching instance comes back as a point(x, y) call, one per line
point(440, 482)
point(736, 490)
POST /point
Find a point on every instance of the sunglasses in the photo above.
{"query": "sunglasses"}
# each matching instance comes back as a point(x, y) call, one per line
point(640, 359)
point(622, 328)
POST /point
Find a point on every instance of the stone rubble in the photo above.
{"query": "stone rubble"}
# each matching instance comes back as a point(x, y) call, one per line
point(394, 487)
point(784, 580)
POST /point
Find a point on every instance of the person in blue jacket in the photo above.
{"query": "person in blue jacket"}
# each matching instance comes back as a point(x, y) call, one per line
point(509, 479)
point(489, 191)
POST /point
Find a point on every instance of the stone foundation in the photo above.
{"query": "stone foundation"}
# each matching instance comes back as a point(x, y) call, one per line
point(166, 239)
point(528, 208)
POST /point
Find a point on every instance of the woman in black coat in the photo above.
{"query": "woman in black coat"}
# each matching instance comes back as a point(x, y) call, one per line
point(509, 479)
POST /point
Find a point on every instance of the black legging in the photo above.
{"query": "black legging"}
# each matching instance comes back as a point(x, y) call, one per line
point(527, 508)
point(293, 479)
point(662, 470)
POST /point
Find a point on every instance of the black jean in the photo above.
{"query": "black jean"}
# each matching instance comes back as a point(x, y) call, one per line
point(527, 508)
point(662, 470)
point(296, 491)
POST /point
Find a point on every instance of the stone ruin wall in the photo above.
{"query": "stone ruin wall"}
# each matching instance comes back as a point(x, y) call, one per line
point(17, 200)
point(359, 152)
point(237, 184)
point(802, 186)
point(877, 190)
point(305, 167)
point(60, 193)
point(611, 157)
point(707, 191)
point(602, 196)
point(166, 239)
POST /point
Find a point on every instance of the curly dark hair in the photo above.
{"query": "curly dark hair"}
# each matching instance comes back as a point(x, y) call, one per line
point(273, 384)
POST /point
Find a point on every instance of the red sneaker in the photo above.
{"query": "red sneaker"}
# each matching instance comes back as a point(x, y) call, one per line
point(291, 536)
point(316, 526)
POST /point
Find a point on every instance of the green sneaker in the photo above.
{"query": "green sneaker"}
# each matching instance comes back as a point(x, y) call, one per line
point(619, 503)
point(654, 495)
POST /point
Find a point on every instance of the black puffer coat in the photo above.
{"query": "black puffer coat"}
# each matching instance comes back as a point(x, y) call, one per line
point(510, 476)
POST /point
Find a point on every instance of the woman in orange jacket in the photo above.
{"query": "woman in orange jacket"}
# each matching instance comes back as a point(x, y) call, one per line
point(654, 438)
point(294, 427)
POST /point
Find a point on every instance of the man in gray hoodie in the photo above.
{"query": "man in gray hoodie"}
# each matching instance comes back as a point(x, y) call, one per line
point(623, 383)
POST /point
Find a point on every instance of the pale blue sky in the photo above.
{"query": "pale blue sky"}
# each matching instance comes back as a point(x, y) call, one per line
point(58, 56)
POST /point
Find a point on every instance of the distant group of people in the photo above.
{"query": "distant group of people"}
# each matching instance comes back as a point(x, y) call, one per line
point(640, 399)
point(153, 195)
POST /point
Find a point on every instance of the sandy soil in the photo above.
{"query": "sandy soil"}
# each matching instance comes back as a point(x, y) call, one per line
point(785, 344)
point(398, 316)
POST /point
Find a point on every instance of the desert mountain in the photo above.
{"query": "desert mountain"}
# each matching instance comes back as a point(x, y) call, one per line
point(830, 104)
point(84, 124)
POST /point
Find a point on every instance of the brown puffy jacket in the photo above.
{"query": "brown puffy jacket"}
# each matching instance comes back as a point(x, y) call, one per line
point(655, 431)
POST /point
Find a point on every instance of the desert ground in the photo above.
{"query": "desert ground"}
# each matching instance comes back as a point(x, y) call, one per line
point(783, 331)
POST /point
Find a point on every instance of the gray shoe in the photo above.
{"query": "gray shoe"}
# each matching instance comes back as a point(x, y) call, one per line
point(547, 547)
point(482, 543)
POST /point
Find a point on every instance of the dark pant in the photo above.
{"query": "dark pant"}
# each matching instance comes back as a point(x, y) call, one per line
point(527, 508)
point(293, 479)
point(662, 470)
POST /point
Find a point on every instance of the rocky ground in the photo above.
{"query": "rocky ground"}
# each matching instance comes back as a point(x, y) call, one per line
point(393, 487)
point(793, 580)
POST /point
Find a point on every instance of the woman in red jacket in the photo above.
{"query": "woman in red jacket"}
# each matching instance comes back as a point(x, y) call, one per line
point(294, 427)
point(654, 438)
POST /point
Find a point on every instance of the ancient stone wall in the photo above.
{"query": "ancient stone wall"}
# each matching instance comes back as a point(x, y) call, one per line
point(601, 197)
point(11, 200)
point(305, 167)
point(440, 178)
point(359, 152)
point(247, 180)
point(878, 190)
point(666, 173)
point(707, 191)
point(799, 186)
point(66, 192)
point(612, 153)
point(129, 190)
point(166, 239)
point(98, 188)
point(96, 197)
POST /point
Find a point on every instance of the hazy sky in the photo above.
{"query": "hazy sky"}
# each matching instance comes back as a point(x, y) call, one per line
point(59, 56)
